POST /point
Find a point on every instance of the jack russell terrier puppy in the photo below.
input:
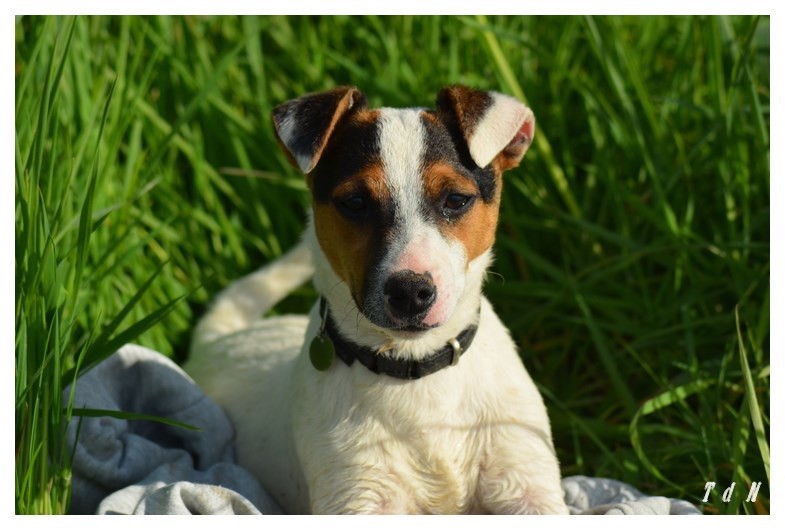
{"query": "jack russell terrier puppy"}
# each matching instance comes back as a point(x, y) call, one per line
point(401, 392)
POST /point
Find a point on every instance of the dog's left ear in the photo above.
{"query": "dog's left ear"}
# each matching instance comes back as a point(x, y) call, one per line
point(497, 129)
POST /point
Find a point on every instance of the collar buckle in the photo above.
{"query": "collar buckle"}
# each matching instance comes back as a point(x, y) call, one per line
point(456, 351)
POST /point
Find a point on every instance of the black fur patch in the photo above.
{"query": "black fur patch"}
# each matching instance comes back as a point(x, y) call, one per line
point(353, 147)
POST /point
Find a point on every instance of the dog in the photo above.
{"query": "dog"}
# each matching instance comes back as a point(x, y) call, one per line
point(402, 391)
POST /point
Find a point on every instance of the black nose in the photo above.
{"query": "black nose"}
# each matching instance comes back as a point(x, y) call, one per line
point(409, 295)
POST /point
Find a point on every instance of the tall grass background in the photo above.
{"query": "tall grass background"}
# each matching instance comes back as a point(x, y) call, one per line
point(632, 254)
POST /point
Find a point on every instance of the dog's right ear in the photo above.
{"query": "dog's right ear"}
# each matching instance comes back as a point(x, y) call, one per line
point(497, 129)
point(303, 126)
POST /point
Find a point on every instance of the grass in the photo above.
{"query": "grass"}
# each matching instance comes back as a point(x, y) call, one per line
point(632, 252)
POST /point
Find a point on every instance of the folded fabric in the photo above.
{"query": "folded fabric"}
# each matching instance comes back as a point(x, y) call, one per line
point(123, 466)
point(162, 493)
point(604, 496)
point(144, 466)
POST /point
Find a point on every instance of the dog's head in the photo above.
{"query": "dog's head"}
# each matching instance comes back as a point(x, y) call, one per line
point(404, 200)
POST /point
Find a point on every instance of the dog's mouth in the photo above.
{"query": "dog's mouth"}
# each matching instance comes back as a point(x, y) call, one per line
point(407, 326)
point(384, 321)
point(413, 328)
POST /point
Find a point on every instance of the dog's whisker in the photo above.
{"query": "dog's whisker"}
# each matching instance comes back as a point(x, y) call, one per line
point(499, 275)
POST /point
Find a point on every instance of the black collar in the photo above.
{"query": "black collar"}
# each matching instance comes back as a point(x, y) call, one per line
point(379, 363)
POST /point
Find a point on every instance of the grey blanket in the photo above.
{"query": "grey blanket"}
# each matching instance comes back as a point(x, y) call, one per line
point(142, 466)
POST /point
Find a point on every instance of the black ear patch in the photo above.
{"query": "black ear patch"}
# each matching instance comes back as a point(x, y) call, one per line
point(303, 126)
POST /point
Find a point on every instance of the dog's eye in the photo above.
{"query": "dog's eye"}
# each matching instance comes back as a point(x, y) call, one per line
point(455, 203)
point(354, 203)
point(352, 206)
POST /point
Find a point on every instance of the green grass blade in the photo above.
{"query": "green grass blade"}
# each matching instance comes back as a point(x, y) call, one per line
point(752, 401)
point(85, 219)
point(101, 349)
point(84, 412)
point(663, 400)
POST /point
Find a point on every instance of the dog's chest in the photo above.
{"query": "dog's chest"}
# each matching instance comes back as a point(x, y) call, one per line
point(435, 465)
point(424, 440)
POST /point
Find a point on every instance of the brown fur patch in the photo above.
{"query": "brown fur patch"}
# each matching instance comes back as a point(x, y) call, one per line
point(350, 245)
point(345, 244)
point(365, 115)
point(440, 178)
point(475, 229)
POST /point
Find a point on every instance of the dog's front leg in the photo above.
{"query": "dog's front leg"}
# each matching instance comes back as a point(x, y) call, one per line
point(520, 475)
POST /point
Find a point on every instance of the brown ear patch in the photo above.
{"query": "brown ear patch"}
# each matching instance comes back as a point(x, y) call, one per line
point(463, 105)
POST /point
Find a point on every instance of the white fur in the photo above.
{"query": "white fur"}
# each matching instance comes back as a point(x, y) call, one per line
point(286, 132)
point(402, 141)
point(498, 126)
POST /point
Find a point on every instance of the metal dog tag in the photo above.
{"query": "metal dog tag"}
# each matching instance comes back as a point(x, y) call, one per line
point(322, 353)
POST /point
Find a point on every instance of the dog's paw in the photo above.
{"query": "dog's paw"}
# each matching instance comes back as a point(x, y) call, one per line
point(542, 504)
point(518, 492)
point(534, 503)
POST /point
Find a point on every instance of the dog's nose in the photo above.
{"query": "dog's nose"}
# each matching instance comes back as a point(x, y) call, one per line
point(409, 295)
